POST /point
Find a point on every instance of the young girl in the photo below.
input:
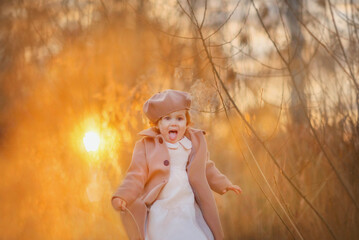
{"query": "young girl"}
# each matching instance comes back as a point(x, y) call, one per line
point(167, 190)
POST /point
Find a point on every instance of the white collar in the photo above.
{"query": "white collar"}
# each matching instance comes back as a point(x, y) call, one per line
point(185, 142)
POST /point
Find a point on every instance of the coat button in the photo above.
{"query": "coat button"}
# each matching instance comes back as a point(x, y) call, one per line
point(166, 162)
point(160, 140)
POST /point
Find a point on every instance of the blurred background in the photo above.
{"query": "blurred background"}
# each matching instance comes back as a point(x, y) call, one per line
point(274, 85)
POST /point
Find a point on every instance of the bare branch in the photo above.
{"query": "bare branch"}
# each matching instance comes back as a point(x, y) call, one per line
point(306, 115)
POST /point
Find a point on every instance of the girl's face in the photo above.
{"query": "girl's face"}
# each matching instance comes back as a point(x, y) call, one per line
point(173, 126)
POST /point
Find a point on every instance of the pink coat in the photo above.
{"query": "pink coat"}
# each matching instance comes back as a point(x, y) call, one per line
point(149, 172)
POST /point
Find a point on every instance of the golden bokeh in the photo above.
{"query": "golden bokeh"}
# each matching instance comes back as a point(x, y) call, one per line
point(74, 77)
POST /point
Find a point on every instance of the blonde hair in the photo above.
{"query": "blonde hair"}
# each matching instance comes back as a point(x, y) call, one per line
point(188, 120)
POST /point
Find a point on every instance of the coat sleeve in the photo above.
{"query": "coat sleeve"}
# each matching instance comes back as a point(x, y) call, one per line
point(136, 177)
point(216, 180)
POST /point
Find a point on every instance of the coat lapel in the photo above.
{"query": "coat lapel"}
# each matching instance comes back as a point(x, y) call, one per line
point(191, 133)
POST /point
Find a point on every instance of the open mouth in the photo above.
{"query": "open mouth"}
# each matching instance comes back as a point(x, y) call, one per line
point(173, 134)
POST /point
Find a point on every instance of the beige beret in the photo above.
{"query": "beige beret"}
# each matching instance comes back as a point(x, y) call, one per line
point(166, 102)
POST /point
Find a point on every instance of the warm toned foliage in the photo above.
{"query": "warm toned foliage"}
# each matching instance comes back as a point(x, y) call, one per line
point(68, 67)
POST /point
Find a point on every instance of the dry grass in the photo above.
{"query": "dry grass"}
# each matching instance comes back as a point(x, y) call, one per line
point(51, 188)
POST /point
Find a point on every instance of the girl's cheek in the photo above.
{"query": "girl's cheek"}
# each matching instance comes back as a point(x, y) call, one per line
point(166, 122)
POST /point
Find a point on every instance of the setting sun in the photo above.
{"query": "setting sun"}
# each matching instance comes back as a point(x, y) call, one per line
point(91, 141)
point(90, 137)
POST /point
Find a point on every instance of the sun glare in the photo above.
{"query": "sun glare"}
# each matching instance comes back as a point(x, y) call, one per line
point(91, 141)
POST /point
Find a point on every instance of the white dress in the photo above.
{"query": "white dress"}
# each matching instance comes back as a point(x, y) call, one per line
point(175, 214)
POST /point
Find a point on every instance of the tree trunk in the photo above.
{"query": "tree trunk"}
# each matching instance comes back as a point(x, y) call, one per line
point(296, 61)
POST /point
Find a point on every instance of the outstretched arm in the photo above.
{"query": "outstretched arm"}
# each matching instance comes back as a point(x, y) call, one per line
point(135, 179)
point(217, 181)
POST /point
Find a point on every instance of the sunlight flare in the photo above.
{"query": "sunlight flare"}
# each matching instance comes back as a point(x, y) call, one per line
point(91, 141)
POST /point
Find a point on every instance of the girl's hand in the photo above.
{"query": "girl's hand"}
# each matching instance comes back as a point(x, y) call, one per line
point(119, 204)
point(233, 188)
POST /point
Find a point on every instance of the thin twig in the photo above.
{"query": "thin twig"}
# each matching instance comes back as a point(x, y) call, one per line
point(259, 139)
point(305, 113)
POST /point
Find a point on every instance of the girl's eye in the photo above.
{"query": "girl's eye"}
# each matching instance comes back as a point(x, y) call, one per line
point(180, 118)
point(167, 118)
